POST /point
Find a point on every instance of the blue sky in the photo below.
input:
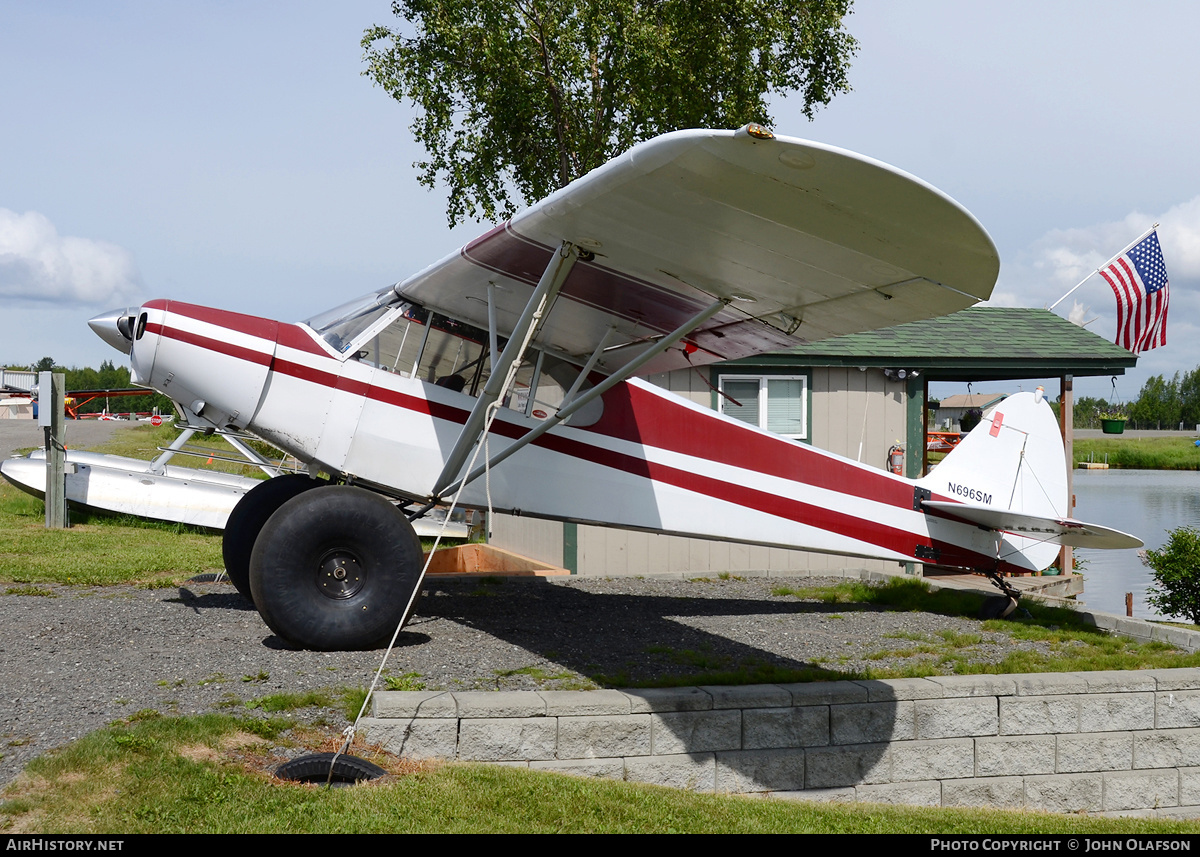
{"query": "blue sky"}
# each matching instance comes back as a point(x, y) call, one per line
point(232, 154)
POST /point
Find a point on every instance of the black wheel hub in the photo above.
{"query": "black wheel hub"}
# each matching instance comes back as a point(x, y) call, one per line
point(340, 575)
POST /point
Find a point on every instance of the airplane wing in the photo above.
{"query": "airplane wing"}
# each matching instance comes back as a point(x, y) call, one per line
point(1062, 531)
point(806, 241)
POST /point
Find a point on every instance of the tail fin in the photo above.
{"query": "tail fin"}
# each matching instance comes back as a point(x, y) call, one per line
point(1012, 460)
point(1010, 475)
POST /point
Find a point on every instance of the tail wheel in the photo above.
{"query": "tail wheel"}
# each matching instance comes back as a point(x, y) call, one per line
point(997, 607)
point(248, 518)
point(334, 569)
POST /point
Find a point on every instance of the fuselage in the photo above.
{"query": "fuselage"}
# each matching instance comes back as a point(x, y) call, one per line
point(642, 458)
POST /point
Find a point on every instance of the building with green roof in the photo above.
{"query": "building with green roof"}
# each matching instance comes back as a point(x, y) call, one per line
point(976, 344)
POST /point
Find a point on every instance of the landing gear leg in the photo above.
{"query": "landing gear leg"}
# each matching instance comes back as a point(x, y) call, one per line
point(999, 606)
point(335, 568)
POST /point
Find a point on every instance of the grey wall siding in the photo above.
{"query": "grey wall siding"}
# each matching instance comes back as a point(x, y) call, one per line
point(849, 405)
point(531, 537)
point(846, 405)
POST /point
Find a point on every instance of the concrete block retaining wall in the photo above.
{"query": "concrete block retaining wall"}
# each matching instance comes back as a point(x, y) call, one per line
point(1102, 742)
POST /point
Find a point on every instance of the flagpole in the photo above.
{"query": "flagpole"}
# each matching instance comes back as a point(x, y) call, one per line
point(1105, 265)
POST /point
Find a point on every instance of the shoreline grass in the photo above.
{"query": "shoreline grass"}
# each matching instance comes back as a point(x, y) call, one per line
point(1140, 453)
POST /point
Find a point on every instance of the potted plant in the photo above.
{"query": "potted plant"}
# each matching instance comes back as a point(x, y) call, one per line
point(1112, 422)
point(969, 420)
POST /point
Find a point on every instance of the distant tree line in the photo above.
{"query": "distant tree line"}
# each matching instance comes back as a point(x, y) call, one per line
point(107, 377)
point(1162, 403)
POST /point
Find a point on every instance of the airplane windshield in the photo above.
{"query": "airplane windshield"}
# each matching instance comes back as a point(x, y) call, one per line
point(341, 325)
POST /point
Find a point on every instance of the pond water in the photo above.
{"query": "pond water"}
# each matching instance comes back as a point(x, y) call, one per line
point(1145, 503)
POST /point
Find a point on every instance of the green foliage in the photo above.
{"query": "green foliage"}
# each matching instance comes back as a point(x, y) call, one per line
point(97, 550)
point(107, 377)
point(1087, 412)
point(1158, 404)
point(1189, 396)
point(30, 590)
point(1164, 404)
point(1176, 587)
point(533, 94)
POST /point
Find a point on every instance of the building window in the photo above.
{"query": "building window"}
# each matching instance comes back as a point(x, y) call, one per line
point(777, 403)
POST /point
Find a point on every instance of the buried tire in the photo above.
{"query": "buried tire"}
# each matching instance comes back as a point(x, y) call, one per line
point(333, 569)
point(321, 768)
point(248, 518)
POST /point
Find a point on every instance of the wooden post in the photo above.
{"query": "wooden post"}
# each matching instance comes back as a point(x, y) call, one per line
point(51, 416)
point(1066, 420)
point(916, 428)
point(915, 432)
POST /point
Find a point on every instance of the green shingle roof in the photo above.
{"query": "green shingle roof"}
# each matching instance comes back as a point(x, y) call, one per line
point(973, 344)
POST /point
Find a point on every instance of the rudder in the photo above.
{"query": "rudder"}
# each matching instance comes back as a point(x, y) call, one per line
point(1013, 460)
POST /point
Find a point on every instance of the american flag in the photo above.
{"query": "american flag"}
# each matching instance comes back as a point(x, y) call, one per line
point(1139, 280)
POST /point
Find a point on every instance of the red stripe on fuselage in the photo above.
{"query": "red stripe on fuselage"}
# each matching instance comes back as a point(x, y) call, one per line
point(644, 417)
point(254, 325)
point(295, 336)
point(676, 433)
point(259, 358)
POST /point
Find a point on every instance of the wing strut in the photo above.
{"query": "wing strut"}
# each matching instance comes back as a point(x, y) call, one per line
point(587, 367)
point(523, 332)
point(569, 407)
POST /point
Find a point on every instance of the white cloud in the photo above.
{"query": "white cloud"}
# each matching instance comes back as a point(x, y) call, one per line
point(38, 264)
point(1180, 237)
point(1044, 271)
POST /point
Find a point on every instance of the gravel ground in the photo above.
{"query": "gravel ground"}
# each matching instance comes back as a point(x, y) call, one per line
point(80, 658)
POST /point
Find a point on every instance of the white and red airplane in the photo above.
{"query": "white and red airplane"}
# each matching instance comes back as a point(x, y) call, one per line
point(517, 357)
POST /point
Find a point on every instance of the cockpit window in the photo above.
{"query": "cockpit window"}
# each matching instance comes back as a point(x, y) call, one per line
point(393, 335)
point(341, 326)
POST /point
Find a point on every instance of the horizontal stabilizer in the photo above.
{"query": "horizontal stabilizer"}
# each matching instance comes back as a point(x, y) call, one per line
point(1062, 531)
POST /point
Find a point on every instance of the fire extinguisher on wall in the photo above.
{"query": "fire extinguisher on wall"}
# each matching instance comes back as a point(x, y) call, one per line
point(896, 459)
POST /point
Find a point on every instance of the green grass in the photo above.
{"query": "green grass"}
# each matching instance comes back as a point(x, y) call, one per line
point(408, 681)
point(563, 680)
point(277, 702)
point(208, 774)
point(97, 550)
point(30, 590)
point(841, 593)
point(1071, 645)
point(1143, 453)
